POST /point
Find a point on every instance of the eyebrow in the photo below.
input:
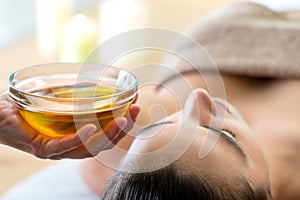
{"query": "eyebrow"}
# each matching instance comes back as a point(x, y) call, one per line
point(231, 141)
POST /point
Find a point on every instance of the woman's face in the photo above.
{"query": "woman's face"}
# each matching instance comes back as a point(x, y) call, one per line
point(216, 139)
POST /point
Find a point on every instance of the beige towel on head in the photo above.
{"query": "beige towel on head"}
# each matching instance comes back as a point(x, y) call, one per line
point(247, 39)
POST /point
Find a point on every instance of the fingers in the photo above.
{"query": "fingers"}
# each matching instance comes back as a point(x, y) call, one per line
point(98, 142)
point(79, 153)
point(84, 133)
point(6, 101)
point(86, 144)
point(115, 128)
point(58, 146)
point(135, 98)
point(119, 128)
point(131, 117)
point(134, 111)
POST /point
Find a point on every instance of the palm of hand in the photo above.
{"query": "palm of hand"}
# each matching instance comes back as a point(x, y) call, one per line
point(17, 133)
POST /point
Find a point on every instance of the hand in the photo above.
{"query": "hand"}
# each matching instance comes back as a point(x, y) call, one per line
point(17, 133)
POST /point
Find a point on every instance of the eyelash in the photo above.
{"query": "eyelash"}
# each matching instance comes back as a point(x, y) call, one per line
point(223, 131)
point(230, 132)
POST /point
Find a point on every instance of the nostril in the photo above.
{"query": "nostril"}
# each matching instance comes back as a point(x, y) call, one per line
point(222, 103)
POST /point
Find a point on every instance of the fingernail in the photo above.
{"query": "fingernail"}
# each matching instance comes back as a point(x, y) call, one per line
point(121, 123)
point(122, 126)
point(91, 131)
point(135, 114)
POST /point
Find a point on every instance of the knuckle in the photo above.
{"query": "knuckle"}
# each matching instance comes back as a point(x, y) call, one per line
point(39, 154)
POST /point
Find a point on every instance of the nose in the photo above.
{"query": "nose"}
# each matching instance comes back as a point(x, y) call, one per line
point(199, 108)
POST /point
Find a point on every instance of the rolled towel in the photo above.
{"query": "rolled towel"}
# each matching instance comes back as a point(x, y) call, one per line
point(244, 39)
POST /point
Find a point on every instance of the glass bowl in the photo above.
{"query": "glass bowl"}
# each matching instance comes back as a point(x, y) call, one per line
point(57, 99)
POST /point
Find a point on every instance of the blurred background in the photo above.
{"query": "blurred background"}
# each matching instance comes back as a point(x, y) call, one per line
point(33, 32)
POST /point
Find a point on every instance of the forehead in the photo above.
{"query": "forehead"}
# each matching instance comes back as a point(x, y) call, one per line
point(163, 135)
point(163, 145)
point(185, 142)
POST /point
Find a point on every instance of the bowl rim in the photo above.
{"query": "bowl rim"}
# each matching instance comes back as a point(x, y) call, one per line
point(12, 75)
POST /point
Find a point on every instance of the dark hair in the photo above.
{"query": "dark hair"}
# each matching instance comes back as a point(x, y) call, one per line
point(168, 184)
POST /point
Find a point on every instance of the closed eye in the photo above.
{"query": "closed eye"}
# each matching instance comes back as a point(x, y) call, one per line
point(227, 135)
point(230, 137)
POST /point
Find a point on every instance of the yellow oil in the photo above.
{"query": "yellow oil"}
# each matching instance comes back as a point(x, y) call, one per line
point(56, 124)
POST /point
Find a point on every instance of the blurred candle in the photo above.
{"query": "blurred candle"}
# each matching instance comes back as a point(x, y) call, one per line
point(117, 16)
point(51, 17)
point(79, 39)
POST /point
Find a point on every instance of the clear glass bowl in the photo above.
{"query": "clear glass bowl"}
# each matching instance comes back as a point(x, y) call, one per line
point(57, 99)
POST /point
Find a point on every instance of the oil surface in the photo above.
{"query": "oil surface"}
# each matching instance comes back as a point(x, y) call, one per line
point(56, 124)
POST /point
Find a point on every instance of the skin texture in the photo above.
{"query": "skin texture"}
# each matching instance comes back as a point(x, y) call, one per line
point(271, 109)
point(200, 111)
point(15, 132)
